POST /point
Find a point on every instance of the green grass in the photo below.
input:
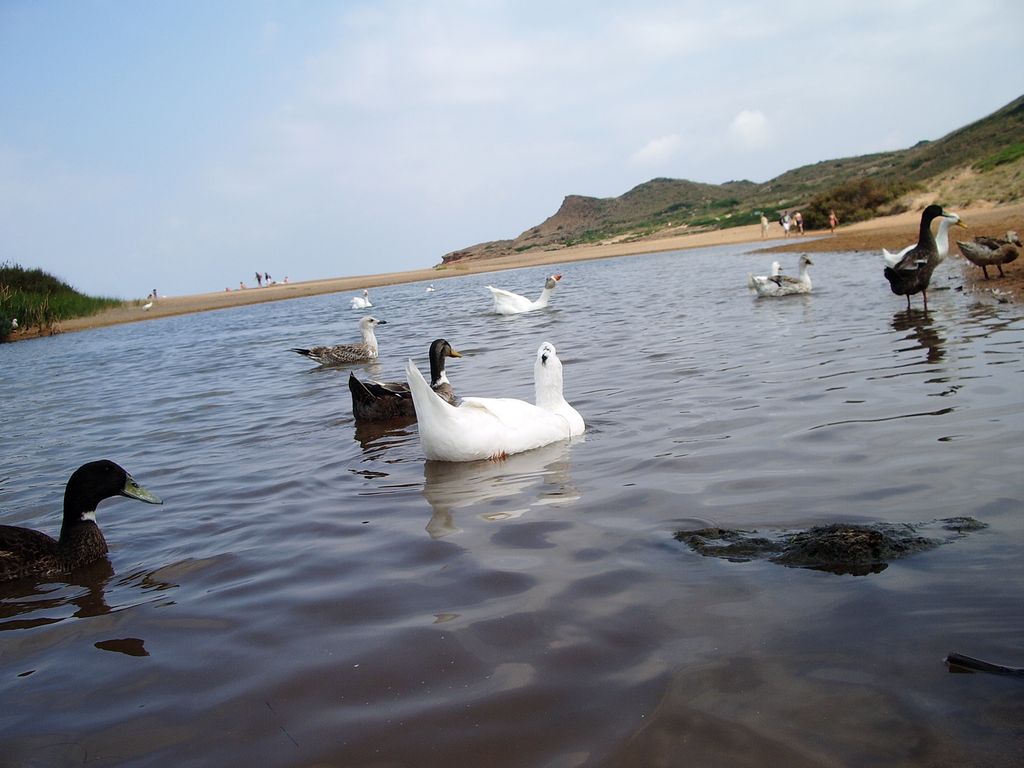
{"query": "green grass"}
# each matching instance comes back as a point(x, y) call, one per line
point(38, 300)
point(1002, 157)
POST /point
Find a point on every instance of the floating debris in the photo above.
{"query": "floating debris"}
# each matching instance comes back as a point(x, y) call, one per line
point(839, 548)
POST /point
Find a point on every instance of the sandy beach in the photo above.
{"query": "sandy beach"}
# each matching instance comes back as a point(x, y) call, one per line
point(891, 232)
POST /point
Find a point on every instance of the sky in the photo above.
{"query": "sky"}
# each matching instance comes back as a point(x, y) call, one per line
point(185, 145)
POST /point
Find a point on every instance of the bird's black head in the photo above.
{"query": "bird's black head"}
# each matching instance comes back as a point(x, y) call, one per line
point(98, 480)
point(441, 348)
point(931, 212)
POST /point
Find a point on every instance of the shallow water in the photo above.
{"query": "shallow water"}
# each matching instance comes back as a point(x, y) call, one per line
point(313, 593)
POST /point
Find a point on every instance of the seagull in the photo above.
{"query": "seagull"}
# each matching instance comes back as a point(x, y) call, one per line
point(340, 354)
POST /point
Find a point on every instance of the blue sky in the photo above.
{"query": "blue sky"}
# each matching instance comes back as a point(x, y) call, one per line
point(185, 145)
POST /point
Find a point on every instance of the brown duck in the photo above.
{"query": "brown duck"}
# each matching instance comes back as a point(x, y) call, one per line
point(380, 401)
point(26, 552)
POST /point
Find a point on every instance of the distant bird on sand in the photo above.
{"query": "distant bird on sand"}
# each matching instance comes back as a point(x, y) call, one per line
point(147, 306)
point(991, 251)
point(341, 354)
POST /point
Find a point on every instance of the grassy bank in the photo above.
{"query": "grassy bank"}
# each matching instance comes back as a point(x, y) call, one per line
point(36, 299)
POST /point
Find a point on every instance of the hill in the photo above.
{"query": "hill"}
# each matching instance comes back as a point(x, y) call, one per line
point(983, 160)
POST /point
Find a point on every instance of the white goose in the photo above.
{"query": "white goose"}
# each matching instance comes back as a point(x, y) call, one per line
point(941, 241)
point(362, 302)
point(508, 303)
point(784, 285)
point(492, 427)
point(753, 280)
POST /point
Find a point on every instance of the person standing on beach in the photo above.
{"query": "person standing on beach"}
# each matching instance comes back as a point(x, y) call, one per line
point(764, 226)
point(798, 219)
point(785, 222)
point(259, 280)
point(833, 220)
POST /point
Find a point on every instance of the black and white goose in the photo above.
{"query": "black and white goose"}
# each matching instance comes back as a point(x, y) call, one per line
point(991, 251)
point(342, 354)
point(27, 552)
point(379, 401)
point(912, 273)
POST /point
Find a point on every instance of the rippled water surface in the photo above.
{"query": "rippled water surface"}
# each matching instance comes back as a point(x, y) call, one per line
point(314, 593)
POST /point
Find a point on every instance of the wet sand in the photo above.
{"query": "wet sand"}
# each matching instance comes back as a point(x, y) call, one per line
point(892, 232)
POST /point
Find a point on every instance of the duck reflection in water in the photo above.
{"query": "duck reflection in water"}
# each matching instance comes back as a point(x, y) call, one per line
point(376, 436)
point(923, 330)
point(29, 603)
point(498, 490)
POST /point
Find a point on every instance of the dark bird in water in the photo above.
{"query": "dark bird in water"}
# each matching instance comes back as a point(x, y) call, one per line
point(378, 401)
point(991, 251)
point(912, 273)
point(26, 552)
point(342, 354)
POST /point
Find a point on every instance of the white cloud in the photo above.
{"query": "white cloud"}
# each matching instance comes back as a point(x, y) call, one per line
point(750, 129)
point(657, 151)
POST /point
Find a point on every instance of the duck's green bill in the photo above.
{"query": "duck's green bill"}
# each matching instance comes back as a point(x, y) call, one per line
point(135, 491)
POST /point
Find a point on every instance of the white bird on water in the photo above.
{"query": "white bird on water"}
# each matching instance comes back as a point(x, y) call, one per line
point(495, 427)
point(508, 303)
point(784, 285)
point(362, 302)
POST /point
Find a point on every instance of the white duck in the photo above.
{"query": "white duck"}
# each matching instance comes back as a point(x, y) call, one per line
point(362, 302)
point(941, 241)
point(508, 303)
point(784, 285)
point(491, 427)
point(340, 354)
point(753, 280)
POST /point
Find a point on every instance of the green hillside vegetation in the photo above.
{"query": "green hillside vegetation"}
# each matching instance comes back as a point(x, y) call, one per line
point(38, 300)
point(858, 188)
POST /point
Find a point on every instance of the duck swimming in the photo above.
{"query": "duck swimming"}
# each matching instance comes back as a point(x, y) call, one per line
point(941, 240)
point(508, 303)
point(26, 552)
point(342, 354)
point(362, 302)
point(783, 285)
point(991, 251)
point(913, 272)
point(378, 401)
point(492, 427)
point(753, 280)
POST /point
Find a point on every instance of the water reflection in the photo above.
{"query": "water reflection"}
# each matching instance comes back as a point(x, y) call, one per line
point(922, 330)
point(541, 476)
point(44, 599)
point(28, 603)
point(375, 437)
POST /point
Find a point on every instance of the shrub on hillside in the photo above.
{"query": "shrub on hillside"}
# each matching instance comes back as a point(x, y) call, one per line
point(857, 200)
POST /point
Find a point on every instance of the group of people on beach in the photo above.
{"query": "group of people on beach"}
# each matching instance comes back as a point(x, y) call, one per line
point(262, 279)
point(788, 222)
